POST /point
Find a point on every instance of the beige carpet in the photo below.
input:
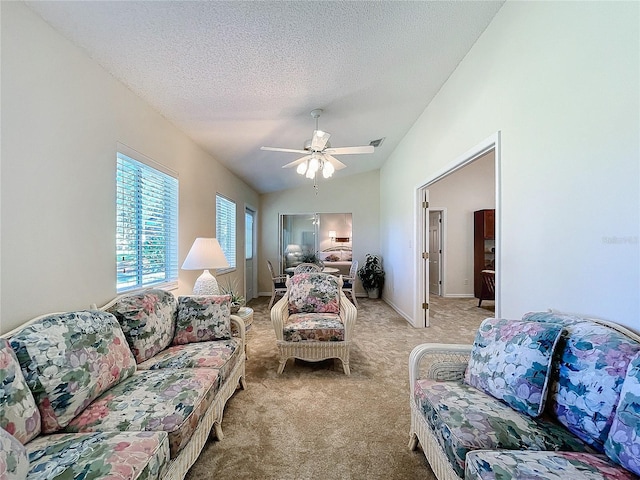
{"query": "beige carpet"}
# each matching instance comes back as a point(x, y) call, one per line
point(313, 422)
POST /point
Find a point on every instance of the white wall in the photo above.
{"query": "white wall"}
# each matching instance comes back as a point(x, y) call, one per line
point(560, 81)
point(461, 193)
point(356, 194)
point(62, 116)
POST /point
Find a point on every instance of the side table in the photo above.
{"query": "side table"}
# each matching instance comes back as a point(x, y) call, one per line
point(246, 314)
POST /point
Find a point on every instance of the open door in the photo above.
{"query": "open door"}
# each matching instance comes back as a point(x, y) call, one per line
point(250, 267)
point(423, 261)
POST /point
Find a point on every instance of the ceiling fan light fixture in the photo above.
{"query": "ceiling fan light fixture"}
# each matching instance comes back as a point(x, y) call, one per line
point(302, 168)
point(327, 169)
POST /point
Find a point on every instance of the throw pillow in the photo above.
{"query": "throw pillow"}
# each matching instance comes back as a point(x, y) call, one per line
point(202, 318)
point(314, 293)
point(14, 461)
point(623, 443)
point(510, 360)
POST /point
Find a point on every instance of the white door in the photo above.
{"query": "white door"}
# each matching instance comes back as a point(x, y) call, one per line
point(250, 269)
point(423, 254)
point(435, 252)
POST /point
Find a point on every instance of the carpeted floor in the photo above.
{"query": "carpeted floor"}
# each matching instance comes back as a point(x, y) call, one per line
point(313, 422)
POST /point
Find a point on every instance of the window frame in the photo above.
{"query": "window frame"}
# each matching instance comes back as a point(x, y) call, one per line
point(222, 200)
point(160, 187)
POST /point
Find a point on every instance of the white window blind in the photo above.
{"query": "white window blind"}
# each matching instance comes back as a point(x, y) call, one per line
point(226, 229)
point(146, 225)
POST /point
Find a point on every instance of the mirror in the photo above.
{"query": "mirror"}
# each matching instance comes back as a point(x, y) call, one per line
point(316, 236)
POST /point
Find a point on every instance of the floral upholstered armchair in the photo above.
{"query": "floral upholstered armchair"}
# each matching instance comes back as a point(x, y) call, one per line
point(314, 321)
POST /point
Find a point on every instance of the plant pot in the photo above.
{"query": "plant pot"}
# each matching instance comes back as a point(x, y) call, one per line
point(374, 293)
point(235, 307)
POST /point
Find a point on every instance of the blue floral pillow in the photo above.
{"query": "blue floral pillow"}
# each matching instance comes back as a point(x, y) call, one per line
point(623, 443)
point(510, 360)
point(202, 318)
point(14, 461)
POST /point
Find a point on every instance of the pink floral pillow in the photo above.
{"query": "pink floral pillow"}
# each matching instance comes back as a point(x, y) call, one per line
point(202, 318)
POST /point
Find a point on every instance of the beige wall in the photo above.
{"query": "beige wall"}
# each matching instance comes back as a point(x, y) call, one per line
point(62, 117)
point(560, 81)
point(460, 194)
point(356, 194)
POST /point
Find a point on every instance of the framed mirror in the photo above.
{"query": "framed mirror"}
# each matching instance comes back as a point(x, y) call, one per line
point(313, 237)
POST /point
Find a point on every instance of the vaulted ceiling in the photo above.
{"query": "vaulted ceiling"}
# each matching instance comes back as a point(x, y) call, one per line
point(237, 75)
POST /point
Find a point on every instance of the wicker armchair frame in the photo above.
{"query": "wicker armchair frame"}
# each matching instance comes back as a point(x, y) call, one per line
point(314, 351)
point(442, 362)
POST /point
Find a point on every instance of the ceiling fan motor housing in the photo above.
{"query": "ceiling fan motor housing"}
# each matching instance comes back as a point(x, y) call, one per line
point(307, 145)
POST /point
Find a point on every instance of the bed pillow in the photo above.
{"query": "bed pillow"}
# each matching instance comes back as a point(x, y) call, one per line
point(511, 359)
point(202, 318)
point(623, 442)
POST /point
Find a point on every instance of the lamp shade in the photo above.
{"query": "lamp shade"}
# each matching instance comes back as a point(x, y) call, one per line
point(205, 253)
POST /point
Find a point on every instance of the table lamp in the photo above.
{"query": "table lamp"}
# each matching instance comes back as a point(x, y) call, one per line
point(205, 253)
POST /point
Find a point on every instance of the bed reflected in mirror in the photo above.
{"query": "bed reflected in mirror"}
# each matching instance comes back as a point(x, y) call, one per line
point(324, 238)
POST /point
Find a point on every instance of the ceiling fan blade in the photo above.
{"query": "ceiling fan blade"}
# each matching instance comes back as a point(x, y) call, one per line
point(319, 140)
point(297, 162)
point(276, 149)
point(337, 164)
point(349, 150)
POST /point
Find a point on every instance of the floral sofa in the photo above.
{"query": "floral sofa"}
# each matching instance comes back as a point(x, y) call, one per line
point(129, 391)
point(547, 397)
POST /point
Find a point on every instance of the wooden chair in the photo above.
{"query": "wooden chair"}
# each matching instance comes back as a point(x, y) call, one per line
point(488, 290)
point(314, 321)
point(278, 286)
point(349, 282)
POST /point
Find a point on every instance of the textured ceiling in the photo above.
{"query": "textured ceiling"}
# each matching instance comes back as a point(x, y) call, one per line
point(238, 75)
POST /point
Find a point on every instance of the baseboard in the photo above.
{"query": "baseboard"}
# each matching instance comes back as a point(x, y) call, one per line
point(459, 295)
point(399, 311)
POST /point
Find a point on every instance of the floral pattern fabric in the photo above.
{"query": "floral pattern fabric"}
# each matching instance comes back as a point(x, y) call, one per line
point(313, 327)
point(590, 369)
point(169, 400)
point(314, 293)
point(148, 321)
point(623, 443)
point(513, 465)
point(463, 419)
point(116, 456)
point(511, 359)
point(222, 355)
point(19, 415)
point(69, 359)
point(14, 462)
point(202, 318)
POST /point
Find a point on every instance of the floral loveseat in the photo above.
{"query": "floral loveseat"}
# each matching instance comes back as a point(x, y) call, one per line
point(130, 391)
point(547, 397)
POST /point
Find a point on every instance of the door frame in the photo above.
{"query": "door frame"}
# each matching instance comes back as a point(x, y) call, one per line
point(254, 280)
point(421, 240)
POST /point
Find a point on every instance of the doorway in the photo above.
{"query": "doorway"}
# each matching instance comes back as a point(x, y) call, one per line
point(250, 264)
point(423, 231)
point(435, 252)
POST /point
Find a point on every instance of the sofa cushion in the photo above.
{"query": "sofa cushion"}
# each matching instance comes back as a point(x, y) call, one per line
point(463, 419)
point(588, 375)
point(511, 360)
point(222, 355)
point(202, 318)
point(19, 414)
point(148, 321)
point(14, 462)
point(169, 400)
point(505, 465)
point(69, 359)
point(623, 443)
point(313, 292)
point(112, 455)
point(313, 327)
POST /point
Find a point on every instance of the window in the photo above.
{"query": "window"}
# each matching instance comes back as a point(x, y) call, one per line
point(226, 229)
point(146, 225)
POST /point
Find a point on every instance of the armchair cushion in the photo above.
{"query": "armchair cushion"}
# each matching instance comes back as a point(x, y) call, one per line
point(314, 293)
point(148, 321)
point(623, 443)
point(69, 359)
point(511, 359)
point(202, 318)
point(314, 327)
point(19, 414)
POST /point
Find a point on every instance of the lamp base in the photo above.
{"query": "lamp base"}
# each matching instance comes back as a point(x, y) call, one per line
point(206, 284)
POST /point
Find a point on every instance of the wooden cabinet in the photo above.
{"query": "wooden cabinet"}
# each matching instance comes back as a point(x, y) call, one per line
point(483, 247)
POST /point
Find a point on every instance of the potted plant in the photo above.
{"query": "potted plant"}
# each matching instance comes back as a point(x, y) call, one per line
point(237, 300)
point(371, 275)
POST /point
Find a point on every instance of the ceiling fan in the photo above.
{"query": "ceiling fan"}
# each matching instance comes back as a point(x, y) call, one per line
point(319, 153)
